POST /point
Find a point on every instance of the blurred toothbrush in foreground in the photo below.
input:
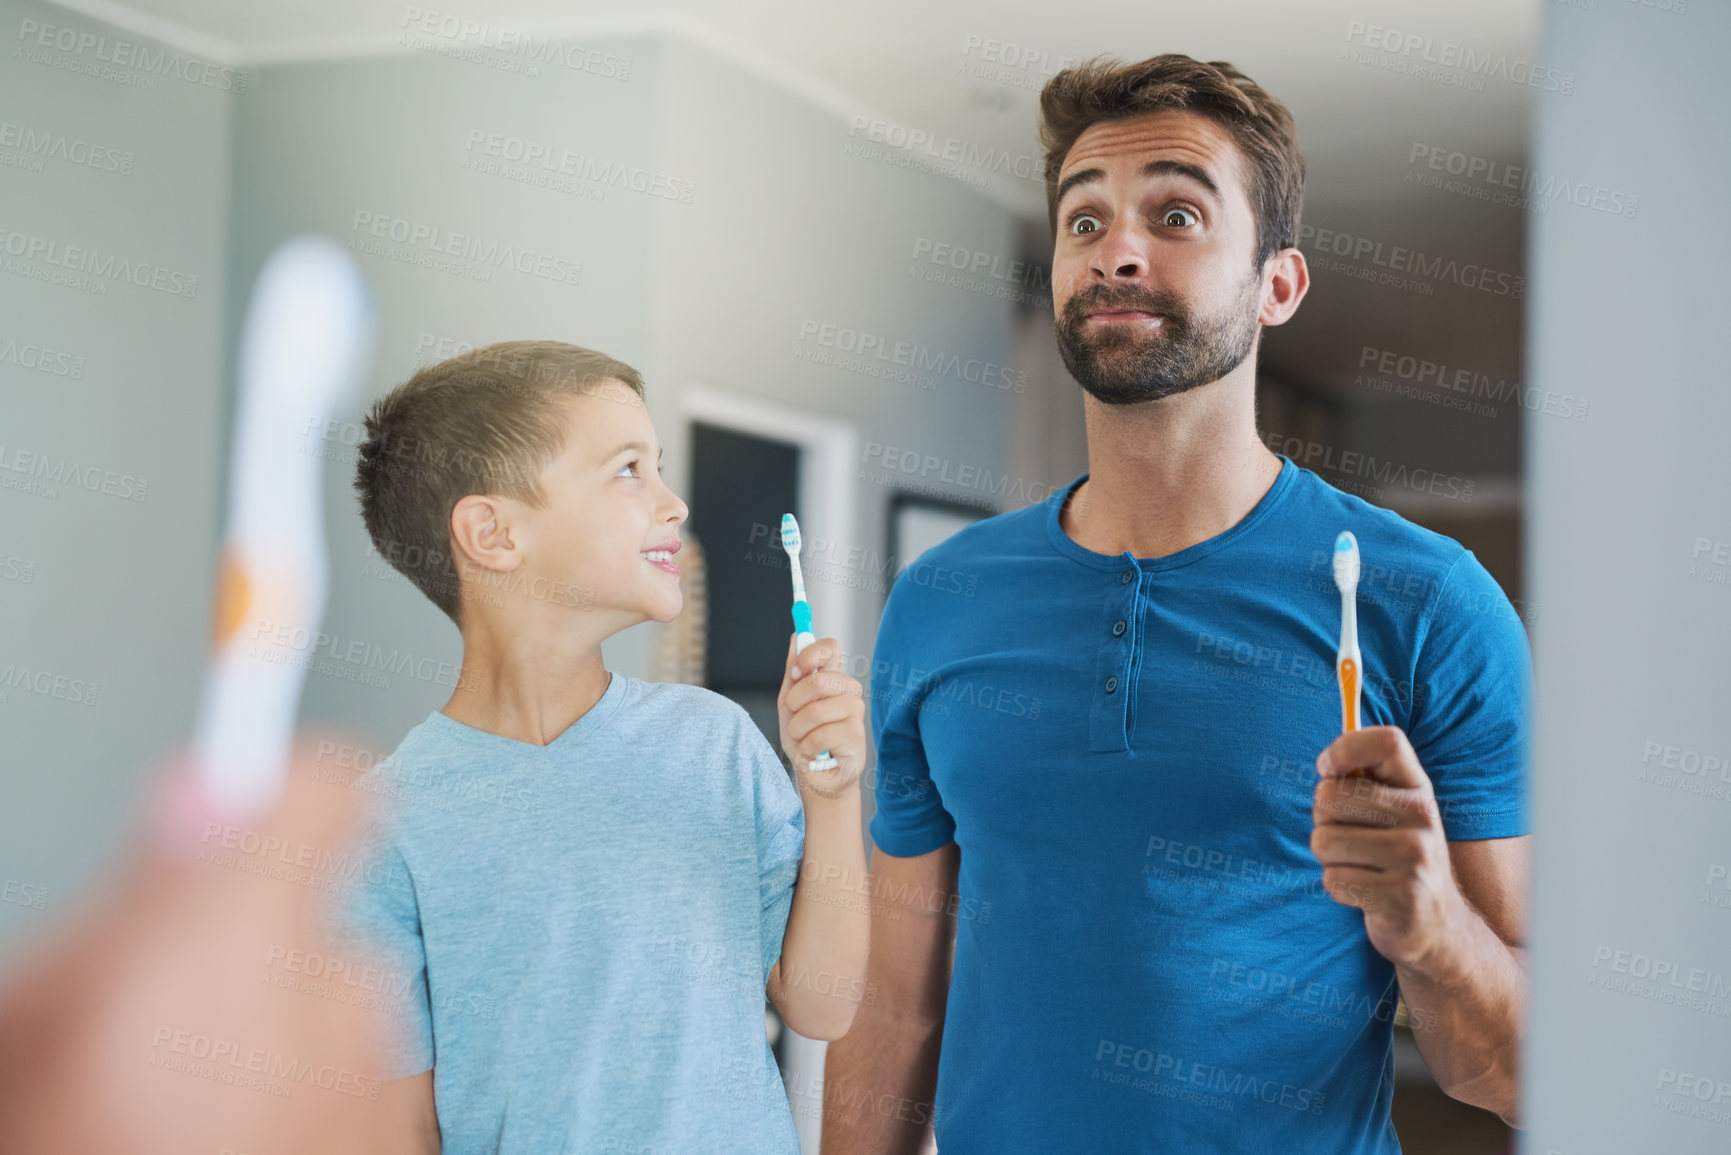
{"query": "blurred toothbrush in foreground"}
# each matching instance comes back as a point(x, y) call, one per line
point(307, 339)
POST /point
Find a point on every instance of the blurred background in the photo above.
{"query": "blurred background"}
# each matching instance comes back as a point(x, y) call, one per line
point(818, 231)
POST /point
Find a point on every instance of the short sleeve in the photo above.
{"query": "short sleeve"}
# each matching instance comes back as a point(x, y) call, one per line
point(374, 915)
point(909, 817)
point(780, 837)
point(1472, 687)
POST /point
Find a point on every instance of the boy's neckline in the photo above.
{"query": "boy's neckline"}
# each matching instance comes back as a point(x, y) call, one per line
point(610, 700)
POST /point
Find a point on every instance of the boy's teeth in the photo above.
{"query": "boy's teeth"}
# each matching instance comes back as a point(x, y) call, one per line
point(657, 555)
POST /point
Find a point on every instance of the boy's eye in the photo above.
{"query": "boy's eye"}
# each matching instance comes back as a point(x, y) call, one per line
point(630, 466)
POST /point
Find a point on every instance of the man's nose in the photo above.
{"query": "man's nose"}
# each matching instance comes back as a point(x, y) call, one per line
point(1121, 255)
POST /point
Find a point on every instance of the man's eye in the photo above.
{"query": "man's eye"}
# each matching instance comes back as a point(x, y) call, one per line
point(1180, 214)
point(1077, 223)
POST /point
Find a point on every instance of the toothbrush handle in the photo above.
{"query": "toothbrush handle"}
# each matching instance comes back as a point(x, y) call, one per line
point(1347, 667)
point(802, 622)
point(1348, 695)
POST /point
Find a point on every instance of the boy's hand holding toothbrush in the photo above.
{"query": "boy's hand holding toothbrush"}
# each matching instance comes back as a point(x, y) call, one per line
point(822, 708)
point(820, 978)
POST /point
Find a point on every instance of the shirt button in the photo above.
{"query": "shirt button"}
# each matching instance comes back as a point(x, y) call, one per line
point(1129, 576)
point(1117, 628)
point(1111, 683)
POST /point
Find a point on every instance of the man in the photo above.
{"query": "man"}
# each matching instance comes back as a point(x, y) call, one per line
point(1113, 795)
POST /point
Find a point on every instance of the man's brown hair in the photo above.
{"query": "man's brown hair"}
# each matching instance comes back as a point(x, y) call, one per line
point(1106, 89)
point(485, 421)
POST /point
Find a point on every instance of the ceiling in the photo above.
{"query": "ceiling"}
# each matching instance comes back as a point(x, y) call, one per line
point(968, 70)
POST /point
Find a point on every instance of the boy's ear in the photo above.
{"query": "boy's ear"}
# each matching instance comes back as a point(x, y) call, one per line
point(481, 533)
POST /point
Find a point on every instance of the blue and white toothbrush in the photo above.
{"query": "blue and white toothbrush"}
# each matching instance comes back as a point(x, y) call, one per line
point(801, 614)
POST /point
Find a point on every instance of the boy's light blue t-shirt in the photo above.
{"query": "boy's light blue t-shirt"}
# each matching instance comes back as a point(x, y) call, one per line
point(576, 936)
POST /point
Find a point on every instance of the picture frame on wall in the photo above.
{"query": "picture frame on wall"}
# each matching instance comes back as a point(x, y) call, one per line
point(918, 521)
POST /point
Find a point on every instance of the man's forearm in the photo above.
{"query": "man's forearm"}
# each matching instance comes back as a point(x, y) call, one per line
point(824, 950)
point(878, 1086)
point(1468, 1010)
point(880, 1081)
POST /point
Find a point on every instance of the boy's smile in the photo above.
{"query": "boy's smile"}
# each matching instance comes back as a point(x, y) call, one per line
point(662, 556)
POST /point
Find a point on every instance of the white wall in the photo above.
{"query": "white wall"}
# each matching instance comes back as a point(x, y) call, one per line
point(1633, 648)
point(109, 460)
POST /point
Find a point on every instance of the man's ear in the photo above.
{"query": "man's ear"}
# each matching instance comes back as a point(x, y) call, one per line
point(481, 533)
point(1287, 282)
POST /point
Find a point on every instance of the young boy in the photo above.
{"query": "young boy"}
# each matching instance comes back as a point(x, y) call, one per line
point(587, 884)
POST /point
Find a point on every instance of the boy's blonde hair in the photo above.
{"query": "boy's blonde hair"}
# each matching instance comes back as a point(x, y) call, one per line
point(485, 421)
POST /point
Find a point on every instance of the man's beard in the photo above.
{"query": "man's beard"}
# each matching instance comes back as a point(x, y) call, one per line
point(1122, 363)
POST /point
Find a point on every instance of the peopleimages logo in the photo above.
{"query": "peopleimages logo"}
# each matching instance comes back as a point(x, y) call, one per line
point(1488, 177)
point(88, 269)
point(1378, 478)
point(125, 54)
point(449, 35)
point(1441, 377)
point(889, 133)
point(1370, 255)
point(1456, 58)
point(55, 362)
point(920, 358)
point(43, 144)
point(982, 264)
point(579, 166)
point(1232, 1085)
point(415, 242)
point(46, 472)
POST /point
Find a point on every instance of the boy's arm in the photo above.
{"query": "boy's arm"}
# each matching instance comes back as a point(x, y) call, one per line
point(819, 980)
point(411, 1123)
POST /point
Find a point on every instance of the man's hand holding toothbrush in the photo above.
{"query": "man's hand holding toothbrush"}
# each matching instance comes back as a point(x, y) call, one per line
point(820, 978)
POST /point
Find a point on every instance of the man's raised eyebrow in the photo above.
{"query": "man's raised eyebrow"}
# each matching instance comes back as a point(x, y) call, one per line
point(1179, 168)
point(1080, 176)
point(1152, 168)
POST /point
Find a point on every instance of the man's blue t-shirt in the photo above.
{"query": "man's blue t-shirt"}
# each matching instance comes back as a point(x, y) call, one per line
point(575, 937)
point(1124, 751)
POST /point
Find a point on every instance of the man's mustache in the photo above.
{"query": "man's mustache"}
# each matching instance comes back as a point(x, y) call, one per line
point(1167, 304)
